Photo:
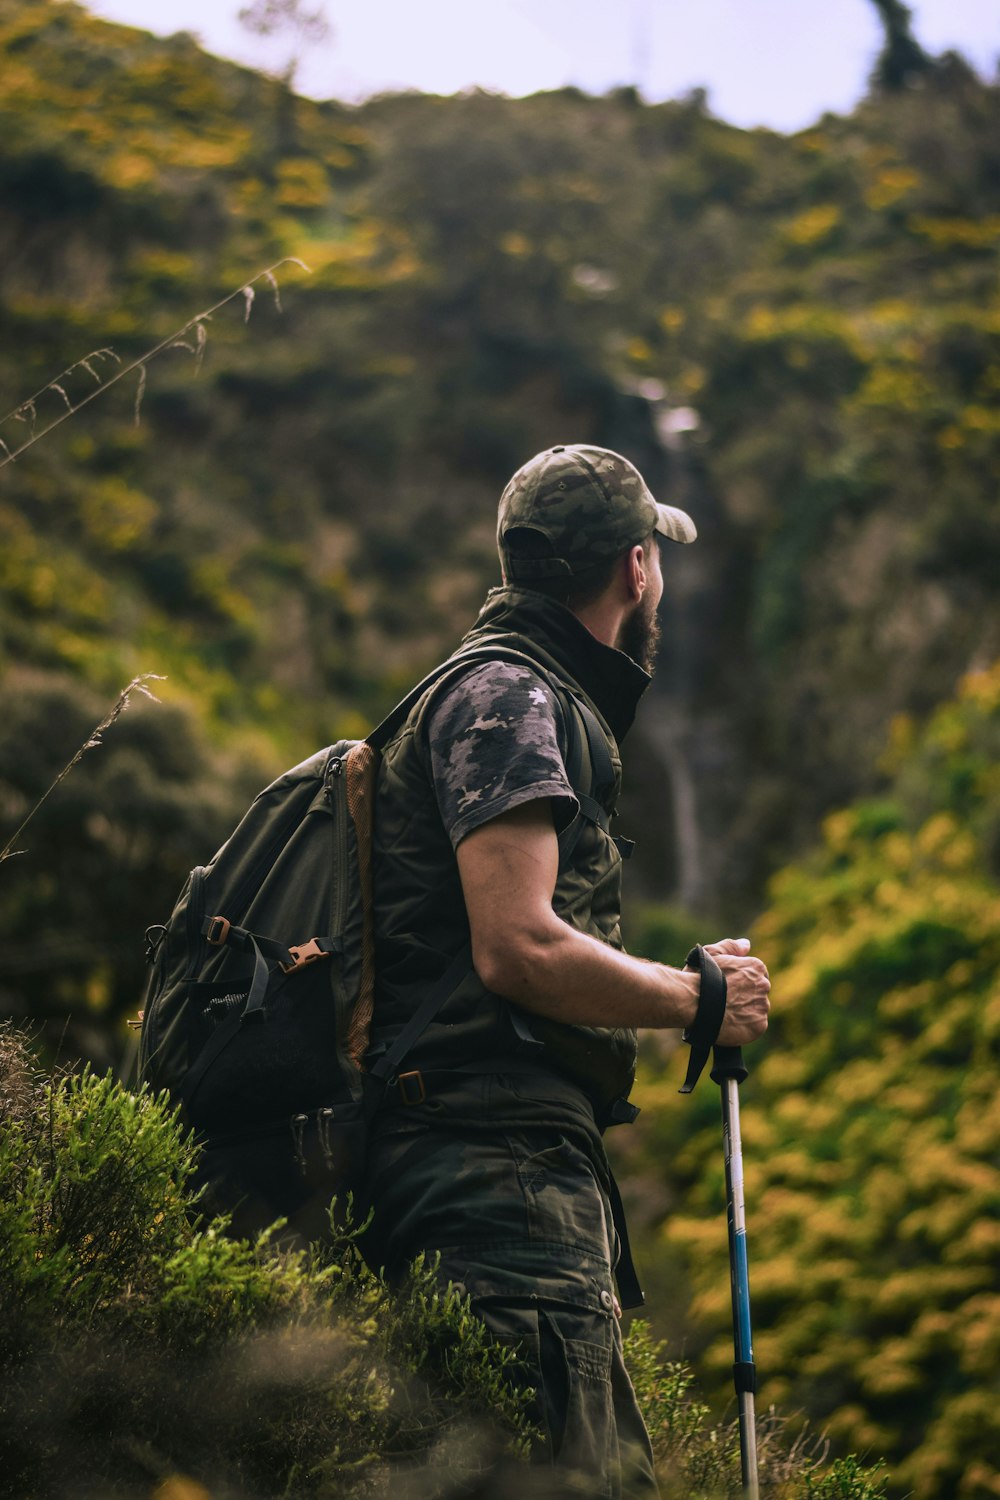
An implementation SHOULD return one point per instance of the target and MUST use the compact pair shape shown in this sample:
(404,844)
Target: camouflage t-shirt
(496,740)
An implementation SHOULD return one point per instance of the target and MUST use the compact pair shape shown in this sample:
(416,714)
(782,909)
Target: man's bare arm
(523,951)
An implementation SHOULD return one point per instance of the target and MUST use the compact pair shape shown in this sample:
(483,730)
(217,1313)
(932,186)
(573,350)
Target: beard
(639,636)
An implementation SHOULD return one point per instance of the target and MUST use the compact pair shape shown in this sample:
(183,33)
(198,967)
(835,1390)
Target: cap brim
(674,523)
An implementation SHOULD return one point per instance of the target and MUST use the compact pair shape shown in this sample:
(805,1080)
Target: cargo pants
(509,1194)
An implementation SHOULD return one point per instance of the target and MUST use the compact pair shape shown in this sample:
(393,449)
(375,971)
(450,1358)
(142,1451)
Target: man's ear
(636,573)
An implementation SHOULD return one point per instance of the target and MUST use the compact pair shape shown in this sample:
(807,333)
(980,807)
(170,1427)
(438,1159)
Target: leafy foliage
(104,853)
(798,338)
(172,1351)
(870,1120)
(696,1457)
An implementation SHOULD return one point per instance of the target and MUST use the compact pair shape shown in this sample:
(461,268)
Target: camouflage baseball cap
(590,504)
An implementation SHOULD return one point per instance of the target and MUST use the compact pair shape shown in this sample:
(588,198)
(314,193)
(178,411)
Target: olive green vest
(420,917)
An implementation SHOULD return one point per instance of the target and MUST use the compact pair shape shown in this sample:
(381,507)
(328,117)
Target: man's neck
(613,681)
(604,619)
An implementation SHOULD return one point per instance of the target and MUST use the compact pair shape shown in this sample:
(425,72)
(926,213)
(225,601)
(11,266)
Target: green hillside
(797,338)
(303,518)
(869,1123)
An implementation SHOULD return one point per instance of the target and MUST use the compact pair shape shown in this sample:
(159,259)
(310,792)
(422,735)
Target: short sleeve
(494,742)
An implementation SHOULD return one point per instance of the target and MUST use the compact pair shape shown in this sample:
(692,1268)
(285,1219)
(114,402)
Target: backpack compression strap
(222,933)
(219,932)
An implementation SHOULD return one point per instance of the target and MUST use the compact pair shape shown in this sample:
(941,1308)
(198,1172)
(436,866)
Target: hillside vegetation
(143,1350)
(798,339)
(296,529)
(870,1122)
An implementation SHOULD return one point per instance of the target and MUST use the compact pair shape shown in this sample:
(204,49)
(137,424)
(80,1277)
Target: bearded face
(639,636)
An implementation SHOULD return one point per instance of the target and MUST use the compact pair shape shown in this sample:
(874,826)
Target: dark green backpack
(257,981)
(258,1006)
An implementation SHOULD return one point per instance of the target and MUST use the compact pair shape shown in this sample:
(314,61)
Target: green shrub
(699,1459)
(140,1344)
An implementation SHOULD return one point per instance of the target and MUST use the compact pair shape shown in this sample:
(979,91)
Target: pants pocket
(576,1372)
(565,1355)
(562,1200)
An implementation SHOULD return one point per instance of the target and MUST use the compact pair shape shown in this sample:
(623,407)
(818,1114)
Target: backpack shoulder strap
(396,717)
(602,771)
(457,971)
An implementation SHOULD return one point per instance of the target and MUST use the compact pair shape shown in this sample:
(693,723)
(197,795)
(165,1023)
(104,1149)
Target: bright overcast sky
(764,62)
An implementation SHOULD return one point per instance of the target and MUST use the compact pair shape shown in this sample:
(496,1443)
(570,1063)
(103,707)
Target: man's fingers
(738,947)
(742,964)
(740,1033)
(747,987)
(747,1003)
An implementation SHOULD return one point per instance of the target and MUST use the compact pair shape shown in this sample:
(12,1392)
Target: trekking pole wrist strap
(707,1024)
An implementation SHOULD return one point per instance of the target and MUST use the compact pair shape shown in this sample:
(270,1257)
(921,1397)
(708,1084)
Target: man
(495,867)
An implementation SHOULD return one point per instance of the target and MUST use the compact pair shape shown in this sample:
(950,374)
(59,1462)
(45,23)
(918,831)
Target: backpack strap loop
(216,931)
(461,965)
(222,933)
(259,985)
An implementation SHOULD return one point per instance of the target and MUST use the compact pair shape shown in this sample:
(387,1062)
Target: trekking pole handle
(727,1062)
(704,1029)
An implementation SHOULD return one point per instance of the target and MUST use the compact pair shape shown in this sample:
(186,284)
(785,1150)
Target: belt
(417,1086)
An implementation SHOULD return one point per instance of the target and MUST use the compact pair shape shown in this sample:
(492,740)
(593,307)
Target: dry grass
(195,328)
(138,685)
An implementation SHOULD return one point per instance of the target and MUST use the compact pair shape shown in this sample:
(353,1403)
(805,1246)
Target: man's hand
(747,989)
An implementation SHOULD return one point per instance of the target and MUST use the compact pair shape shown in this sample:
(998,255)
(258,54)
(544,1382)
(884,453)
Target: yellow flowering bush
(870,1124)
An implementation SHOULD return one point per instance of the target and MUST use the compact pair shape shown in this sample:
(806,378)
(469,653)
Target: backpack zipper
(334,771)
(251,882)
(149,1036)
(195,914)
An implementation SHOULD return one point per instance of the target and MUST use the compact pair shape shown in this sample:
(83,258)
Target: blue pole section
(741,1298)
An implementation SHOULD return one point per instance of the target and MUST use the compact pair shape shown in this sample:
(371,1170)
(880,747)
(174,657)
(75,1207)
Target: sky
(780,63)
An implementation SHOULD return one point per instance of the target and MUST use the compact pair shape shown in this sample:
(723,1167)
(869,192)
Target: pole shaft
(739,1281)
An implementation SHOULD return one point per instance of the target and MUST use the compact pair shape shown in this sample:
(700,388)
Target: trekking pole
(729,1071)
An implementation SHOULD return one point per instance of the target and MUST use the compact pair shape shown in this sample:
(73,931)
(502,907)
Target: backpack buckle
(304,953)
(216,931)
(411,1087)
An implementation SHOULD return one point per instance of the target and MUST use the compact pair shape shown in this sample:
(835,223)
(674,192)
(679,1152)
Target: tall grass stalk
(93,740)
(27,410)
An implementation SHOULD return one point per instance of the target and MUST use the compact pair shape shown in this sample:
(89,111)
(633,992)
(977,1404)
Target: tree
(902,59)
(303,28)
(306,28)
